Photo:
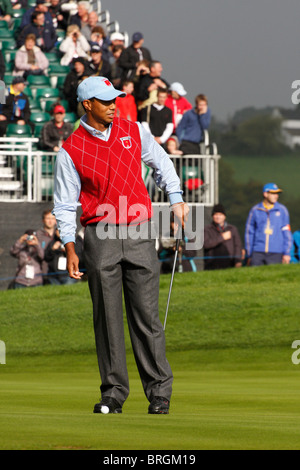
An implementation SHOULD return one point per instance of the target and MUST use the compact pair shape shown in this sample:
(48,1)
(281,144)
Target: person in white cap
(100,166)
(177,102)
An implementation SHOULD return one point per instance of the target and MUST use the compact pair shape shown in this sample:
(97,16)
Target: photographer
(74,45)
(30,255)
(55,255)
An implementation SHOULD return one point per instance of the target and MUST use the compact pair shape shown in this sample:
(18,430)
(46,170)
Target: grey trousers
(113,264)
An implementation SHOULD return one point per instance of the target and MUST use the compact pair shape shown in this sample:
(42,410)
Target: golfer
(100,166)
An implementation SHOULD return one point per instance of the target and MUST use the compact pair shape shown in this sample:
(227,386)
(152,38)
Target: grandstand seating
(13,130)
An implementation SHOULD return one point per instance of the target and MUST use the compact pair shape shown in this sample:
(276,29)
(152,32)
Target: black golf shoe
(159,406)
(108,405)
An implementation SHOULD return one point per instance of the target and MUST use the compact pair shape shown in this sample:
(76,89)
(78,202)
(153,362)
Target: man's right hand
(72,261)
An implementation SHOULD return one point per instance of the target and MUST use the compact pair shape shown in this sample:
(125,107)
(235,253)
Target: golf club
(171,283)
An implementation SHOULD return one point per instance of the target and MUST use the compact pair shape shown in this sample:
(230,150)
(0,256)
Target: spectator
(82,16)
(222,242)
(157,118)
(148,85)
(56,131)
(6,11)
(55,255)
(98,66)
(116,71)
(72,80)
(30,60)
(117,39)
(30,254)
(45,34)
(74,45)
(126,107)
(295,251)
(166,252)
(45,236)
(190,130)
(40,7)
(16,108)
(92,21)
(132,55)
(177,102)
(172,146)
(59,18)
(268,238)
(99,37)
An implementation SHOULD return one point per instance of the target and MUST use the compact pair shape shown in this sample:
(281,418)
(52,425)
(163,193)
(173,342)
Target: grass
(284,170)
(229,336)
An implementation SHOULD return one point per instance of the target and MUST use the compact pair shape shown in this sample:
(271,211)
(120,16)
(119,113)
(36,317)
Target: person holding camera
(74,45)
(30,255)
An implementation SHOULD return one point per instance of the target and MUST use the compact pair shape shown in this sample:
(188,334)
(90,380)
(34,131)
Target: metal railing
(27,174)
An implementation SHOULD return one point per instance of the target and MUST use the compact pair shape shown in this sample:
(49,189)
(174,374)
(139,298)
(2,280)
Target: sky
(239,53)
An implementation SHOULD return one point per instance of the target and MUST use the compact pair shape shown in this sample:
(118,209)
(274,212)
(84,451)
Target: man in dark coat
(132,55)
(222,243)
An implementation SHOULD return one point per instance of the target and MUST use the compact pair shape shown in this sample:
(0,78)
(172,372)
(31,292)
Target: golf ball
(104,409)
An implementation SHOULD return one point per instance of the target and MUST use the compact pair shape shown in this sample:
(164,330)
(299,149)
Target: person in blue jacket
(268,238)
(190,130)
(295,251)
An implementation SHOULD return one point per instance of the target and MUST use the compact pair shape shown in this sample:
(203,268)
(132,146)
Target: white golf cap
(176,86)
(117,36)
(97,87)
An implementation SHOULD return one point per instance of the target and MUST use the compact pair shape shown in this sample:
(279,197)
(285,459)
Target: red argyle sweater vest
(112,188)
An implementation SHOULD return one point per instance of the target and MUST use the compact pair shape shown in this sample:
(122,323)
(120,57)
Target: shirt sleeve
(67,187)
(165,176)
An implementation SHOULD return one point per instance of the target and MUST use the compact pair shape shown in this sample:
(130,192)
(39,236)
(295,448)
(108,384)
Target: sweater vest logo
(126,142)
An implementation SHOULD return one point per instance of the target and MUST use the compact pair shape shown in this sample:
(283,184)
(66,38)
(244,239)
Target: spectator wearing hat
(268,238)
(30,60)
(126,107)
(98,66)
(132,55)
(117,39)
(177,102)
(222,242)
(45,33)
(41,6)
(16,108)
(190,130)
(56,131)
(74,45)
(72,80)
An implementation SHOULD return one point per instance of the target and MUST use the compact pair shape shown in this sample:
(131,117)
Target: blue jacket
(189,127)
(295,251)
(268,231)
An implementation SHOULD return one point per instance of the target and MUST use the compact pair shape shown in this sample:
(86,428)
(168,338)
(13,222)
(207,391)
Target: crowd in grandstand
(48,34)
